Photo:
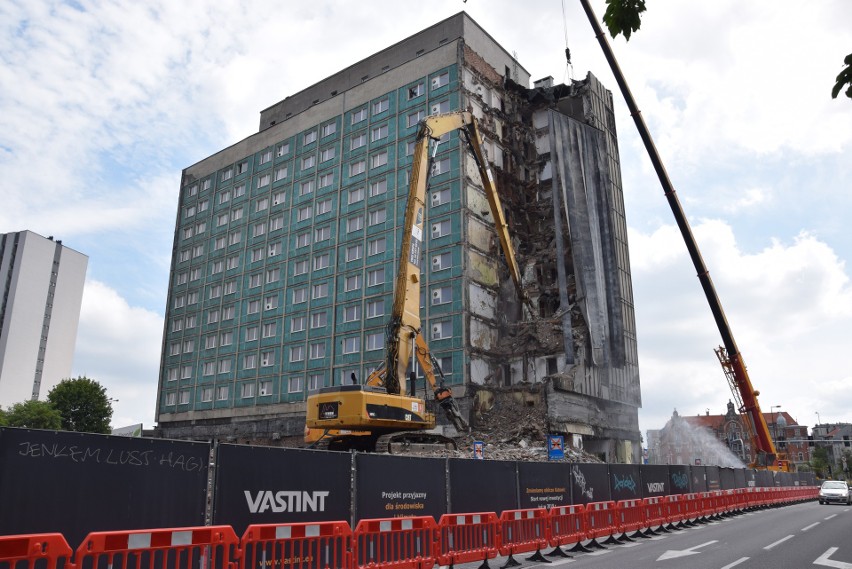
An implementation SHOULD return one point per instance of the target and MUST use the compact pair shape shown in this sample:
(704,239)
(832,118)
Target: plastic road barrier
(25,551)
(567,525)
(629,517)
(600,519)
(522,531)
(463,538)
(400,543)
(321,545)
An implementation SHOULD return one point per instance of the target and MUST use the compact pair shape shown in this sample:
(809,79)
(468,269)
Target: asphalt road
(792,537)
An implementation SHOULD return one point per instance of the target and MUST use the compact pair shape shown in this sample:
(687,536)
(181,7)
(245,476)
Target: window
(173,374)
(300,295)
(282,149)
(375,308)
(328,129)
(440,80)
(358,141)
(306,187)
(198,250)
(315,381)
(186,372)
(317,350)
(440,229)
(226,339)
(324,206)
(192,298)
(267,359)
(322,233)
(171,398)
(215,291)
(270,329)
(303,239)
(413,118)
(297,353)
(264,180)
(224,197)
(250,361)
(319,290)
(182,278)
(379,159)
(190,322)
(319,319)
(326,180)
(356,195)
(440,107)
(270,302)
(237,214)
(222,393)
(297,323)
(266,156)
(310,137)
(253,306)
(359,115)
(257,254)
(278,198)
(177,325)
(274,249)
(232,262)
(255,280)
(203,205)
(261,204)
(351,313)
(280,173)
(358,167)
(442,295)
(446,364)
(265,388)
(442,261)
(375,341)
(321,261)
(378,216)
(200,227)
(242,167)
(225,365)
(195,274)
(351,345)
(354,252)
(184,256)
(219,243)
(440,166)
(416,91)
(207,394)
(309,162)
(327,154)
(189,212)
(378,187)
(239,190)
(276,223)
(212,316)
(376,246)
(294,385)
(209,368)
(376,277)
(188,346)
(441,196)
(410,148)
(174,349)
(187,233)
(355,223)
(228,312)
(381,105)
(217,267)
(272,275)
(379,132)
(304,213)
(352,282)
(251,333)
(442,329)
(192,190)
(247,390)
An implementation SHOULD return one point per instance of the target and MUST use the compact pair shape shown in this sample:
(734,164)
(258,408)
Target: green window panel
(349,315)
(356,143)
(284,150)
(382,160)
(382,107)
(413,94)
(356,118)
(443,81)
(307,140)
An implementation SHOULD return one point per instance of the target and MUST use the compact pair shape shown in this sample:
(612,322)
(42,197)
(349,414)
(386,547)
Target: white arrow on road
(826,562)
(673,554)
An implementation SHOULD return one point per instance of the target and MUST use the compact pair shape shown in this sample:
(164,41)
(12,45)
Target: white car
(834,491)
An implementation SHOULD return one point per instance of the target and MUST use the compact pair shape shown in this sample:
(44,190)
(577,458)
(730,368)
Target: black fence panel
(264,485)
(624,482)
(764,478)
(680,479)
(482,485)
(544,484)
(399,486)
(727,478)
(712,478)
(590,483)
(76,483)
(655,480)
(697,478)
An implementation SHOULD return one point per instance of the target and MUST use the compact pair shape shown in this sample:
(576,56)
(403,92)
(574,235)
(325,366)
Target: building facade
(286,243)
(42,293)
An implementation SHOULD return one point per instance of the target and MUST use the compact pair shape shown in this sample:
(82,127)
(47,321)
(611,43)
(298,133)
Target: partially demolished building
(286,243)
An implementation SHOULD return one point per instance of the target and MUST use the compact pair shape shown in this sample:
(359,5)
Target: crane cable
(569,67)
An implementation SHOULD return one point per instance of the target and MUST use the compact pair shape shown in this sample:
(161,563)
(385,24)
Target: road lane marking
(831,516)
(673,554)
(826,562)
(735,563)
(780,541)
(813,525)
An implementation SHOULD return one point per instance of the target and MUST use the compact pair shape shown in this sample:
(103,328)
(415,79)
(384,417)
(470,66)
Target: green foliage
(83,405)
(819,462)
(3,421)
(844,78)
(623,16)
(33,415)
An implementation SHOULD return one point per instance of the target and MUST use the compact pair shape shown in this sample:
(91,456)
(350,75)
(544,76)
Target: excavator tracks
(413,443)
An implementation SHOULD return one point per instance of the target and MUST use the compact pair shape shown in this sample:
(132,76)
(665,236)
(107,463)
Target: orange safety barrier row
(394,543)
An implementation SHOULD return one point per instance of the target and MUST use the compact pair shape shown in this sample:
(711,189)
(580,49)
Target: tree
(83,405)
(625,17)
(3,420)
(819,461)
(33,415)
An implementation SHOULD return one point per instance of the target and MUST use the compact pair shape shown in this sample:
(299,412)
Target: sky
(105,102)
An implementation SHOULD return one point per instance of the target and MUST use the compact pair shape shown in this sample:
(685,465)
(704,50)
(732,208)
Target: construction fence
(75,483)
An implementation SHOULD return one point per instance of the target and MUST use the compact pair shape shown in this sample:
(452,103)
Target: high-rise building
(42,292)
(286,245)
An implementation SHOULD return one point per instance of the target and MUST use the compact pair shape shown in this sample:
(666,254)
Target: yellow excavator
(374,415)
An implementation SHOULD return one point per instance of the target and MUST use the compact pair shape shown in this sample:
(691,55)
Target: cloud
(119,346)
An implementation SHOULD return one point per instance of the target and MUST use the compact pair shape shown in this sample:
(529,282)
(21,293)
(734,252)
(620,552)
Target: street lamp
(819,422)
